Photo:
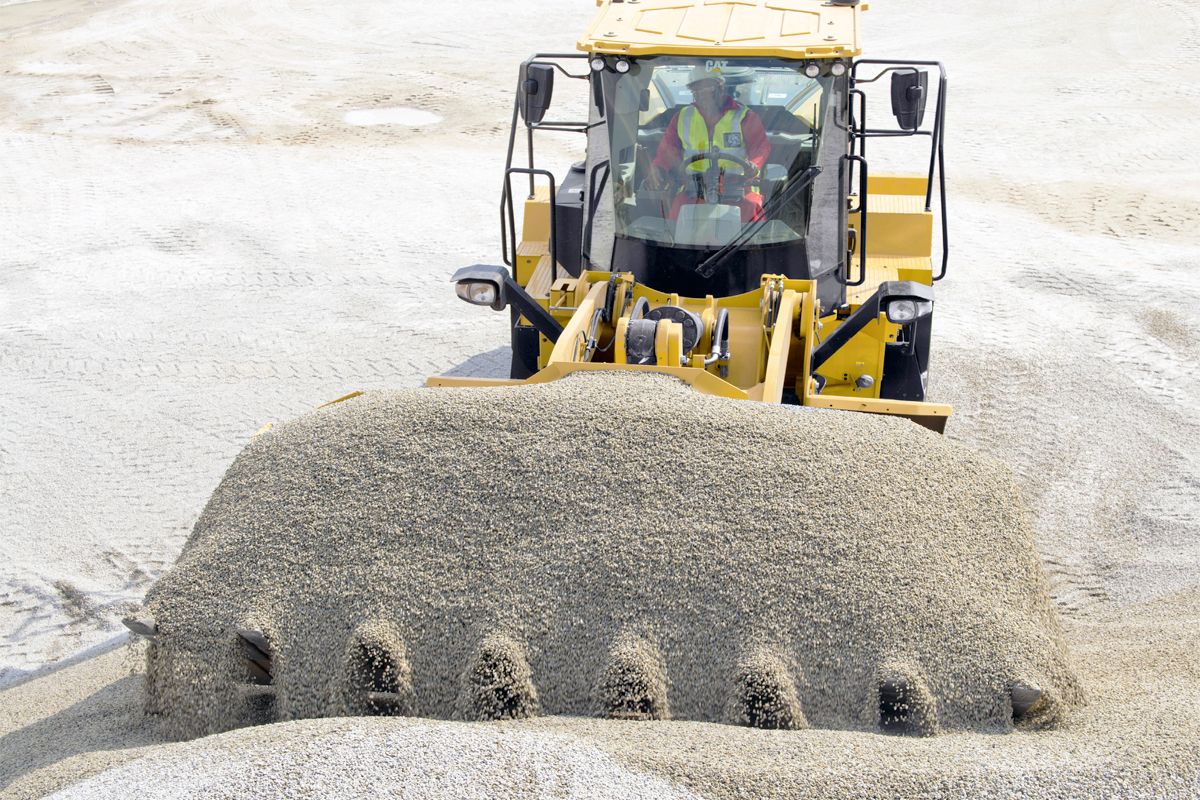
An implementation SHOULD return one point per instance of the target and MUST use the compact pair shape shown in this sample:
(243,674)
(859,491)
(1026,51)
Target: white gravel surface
(380,758)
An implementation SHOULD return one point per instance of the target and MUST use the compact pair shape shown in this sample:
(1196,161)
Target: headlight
(904,311)
(837,69)
(597,63)
(478,293)
(622,65)
(812,69)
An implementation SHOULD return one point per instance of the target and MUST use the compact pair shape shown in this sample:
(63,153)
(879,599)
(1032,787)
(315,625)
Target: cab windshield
(699,148)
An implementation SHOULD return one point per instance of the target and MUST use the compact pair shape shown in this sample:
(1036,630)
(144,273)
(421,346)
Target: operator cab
(701,196)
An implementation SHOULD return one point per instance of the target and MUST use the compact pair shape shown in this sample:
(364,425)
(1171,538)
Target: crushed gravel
(81,731)
(610,545)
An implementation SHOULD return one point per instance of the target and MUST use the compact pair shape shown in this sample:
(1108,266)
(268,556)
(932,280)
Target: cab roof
(775,28)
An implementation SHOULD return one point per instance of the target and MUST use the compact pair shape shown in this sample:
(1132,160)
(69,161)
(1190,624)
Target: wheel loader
(654,515)
(795,275)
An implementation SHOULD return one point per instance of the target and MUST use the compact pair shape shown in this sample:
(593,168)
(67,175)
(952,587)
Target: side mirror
(909,91)
(534,92)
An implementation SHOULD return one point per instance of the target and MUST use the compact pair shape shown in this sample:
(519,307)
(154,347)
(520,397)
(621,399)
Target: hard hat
(703,73)
(736,76)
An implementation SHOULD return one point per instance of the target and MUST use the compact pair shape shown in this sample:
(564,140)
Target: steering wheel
(731,182)
(749,168)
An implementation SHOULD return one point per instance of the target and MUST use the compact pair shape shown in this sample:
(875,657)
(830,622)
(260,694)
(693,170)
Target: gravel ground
(81,730)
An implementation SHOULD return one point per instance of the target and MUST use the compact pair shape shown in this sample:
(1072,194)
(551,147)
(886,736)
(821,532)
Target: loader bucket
(608,544)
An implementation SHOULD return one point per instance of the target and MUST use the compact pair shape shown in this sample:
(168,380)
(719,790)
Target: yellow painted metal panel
(920,273)
(931,415)
(896,203)
(528,256)
(889,268)
(668,343)
(903,234)
(660,20)
(574,335)
(862,355)
(896,229)
(751,24)
(536,222)
(458,382)
(799,23)
(705,23)
(774,379)
(539,281)
(704,28)
(807,329)
(898,184)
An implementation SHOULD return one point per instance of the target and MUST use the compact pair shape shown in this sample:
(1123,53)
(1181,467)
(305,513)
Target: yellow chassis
(772,332)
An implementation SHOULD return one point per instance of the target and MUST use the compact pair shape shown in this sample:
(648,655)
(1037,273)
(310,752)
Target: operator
(713,119)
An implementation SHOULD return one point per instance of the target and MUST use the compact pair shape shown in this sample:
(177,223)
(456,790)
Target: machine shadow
(492,364)
(109,719)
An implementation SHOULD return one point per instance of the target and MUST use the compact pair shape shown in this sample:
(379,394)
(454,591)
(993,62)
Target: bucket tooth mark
(905,706)
(378,675)
(256,652)
(500,682)
(764,694)
(635,683)
(257,685)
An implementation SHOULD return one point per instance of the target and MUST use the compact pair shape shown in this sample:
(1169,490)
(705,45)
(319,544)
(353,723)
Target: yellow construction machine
(619,545)
(724,227)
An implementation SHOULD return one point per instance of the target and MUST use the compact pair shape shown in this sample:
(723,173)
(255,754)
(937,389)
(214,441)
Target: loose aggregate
(611,545)
(80,731)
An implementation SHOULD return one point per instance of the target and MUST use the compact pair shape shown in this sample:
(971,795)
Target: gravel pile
(342,758)
(80,730)
(613,545)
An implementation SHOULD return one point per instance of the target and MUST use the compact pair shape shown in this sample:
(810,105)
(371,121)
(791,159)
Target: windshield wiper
(709,265)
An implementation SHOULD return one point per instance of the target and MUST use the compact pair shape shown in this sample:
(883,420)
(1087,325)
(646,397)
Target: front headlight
(478,293)
(904,311)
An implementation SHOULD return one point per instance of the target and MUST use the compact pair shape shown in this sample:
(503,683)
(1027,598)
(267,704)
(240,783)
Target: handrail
(594,191)
(506,211)
(937,134)
(863,178)
(506,201)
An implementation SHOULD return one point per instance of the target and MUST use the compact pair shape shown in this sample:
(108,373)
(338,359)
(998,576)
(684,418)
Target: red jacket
(670,149)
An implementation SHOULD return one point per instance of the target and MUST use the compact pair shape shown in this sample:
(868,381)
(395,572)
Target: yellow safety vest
(727,134)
